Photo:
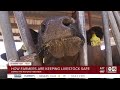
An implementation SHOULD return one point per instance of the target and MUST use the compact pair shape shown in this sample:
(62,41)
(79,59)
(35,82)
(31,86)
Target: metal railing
(81,26)
(108,17)
(8,36)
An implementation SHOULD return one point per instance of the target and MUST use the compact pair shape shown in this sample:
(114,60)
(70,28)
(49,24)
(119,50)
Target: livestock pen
(17,23)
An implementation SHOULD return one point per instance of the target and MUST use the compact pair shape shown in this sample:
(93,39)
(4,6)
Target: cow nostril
(66,22)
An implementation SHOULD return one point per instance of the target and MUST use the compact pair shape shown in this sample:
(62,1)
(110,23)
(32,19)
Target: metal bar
(24,31)
(108,51)
(8,36)
(81,26)
(117,16)
(115,30)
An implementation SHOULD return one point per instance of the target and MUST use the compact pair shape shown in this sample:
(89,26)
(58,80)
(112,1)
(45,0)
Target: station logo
(112,69)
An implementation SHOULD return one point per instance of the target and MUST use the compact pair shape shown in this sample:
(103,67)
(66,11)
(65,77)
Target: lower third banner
(63,71)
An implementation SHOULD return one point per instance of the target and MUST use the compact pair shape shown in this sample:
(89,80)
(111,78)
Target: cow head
(94,30)
(59,37)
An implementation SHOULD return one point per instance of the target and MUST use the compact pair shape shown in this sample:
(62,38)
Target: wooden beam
(44,14)
(35,27)
(89,19)
(14,34)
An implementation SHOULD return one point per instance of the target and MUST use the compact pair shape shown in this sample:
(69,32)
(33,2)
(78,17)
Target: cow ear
(3,56)
(33,32)
(34,35)
(88,36)
(98,31)
(94,30)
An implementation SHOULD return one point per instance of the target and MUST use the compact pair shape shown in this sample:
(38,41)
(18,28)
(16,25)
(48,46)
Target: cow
(96,56)
(63,31)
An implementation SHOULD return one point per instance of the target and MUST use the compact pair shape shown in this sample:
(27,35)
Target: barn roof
(34,19)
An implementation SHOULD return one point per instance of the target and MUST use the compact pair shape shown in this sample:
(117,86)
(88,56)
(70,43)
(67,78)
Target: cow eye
(43,27)
(66,22)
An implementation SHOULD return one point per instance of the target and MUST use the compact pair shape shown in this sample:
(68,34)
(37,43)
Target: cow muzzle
(59,39)
(63,47)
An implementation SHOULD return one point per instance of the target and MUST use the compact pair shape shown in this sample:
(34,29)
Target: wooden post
(115,30)
(81,26)
(89,19)
(24,32)
(108,51)
(9,43)
(117,16)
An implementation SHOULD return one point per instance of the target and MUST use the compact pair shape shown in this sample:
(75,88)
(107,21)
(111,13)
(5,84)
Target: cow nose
(57,28)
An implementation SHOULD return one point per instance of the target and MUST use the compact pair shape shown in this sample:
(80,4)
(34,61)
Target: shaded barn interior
(34,19)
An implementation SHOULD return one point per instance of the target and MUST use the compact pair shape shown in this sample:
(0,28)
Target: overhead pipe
(8,40)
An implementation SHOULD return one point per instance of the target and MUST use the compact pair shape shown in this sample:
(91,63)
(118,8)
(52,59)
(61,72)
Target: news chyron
(42,72)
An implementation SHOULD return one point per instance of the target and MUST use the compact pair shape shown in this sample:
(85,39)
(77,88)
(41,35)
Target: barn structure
(34,19)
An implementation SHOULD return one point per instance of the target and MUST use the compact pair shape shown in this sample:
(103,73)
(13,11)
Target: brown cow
(96,56)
